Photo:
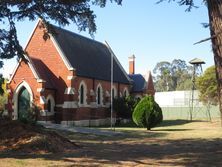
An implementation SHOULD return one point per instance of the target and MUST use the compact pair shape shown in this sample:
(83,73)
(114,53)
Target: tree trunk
(215,21)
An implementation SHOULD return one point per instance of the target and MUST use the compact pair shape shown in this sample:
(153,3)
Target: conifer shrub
(147,113)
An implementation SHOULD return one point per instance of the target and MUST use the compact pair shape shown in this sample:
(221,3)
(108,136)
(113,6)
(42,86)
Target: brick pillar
(70,98)
(41,104)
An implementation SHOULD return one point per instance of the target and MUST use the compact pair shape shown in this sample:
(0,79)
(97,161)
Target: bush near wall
(124,106)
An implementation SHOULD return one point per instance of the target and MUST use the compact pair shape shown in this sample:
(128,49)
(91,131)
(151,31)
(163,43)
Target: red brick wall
(24,73)
(41,50)
(49,64)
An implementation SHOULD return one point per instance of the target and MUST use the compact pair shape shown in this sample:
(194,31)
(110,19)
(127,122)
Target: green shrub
(29,117)
(124,106)
(147,113)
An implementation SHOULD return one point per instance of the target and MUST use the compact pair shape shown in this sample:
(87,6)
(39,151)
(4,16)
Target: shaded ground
(175,143)
(17,137)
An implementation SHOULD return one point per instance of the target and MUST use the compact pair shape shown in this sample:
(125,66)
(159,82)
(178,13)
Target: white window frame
(82,83)
(15,97)
(115,91)
(125,90)
(101,94)
(51,98)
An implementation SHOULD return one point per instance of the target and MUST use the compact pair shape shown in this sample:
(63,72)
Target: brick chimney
(132,64)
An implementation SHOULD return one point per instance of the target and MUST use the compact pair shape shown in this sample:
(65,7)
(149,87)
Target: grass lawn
(173,143)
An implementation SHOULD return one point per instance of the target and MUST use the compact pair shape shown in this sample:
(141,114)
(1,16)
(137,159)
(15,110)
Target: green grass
(172,143)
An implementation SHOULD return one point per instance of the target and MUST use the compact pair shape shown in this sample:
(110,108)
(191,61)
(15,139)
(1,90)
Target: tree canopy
(172,76)
(207,86)
(63,12)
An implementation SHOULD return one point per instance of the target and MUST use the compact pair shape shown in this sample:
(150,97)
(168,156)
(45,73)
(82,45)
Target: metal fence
(203,112)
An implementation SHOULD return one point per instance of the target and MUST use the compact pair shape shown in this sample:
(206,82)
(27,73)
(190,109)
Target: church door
(23,103)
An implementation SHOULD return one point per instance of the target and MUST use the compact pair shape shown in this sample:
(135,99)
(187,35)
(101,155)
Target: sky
(152,32)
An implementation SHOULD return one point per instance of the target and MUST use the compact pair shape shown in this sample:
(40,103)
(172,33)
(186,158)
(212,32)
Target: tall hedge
(147,113)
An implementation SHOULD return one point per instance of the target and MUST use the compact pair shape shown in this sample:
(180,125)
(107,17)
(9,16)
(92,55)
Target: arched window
(99,98)
(114,92)
(49,105)
(125,92)
(82,93)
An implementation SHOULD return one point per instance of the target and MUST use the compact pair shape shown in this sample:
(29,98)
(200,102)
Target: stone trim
(15,98)
(70,104)
(71,77)
(42,100)
(96,122)
(46,113)
(69,91)
(40,90)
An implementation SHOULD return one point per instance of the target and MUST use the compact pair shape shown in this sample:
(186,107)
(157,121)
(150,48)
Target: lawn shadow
(176,122)
(170,129)
(184,152)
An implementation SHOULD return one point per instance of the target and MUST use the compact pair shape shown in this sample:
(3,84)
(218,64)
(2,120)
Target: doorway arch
(23,99)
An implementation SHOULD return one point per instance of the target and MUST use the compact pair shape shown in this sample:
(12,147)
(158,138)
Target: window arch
(99,95)
(50,104)
(49,107)
(125,92)
(22,85)
(114,92)
(82,93)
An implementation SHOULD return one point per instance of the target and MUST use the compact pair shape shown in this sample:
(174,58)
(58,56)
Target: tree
(163,78)
(207,86)
(173,76)
(62,12)
(215,25)
(147,113)
(3,96)
(124,106)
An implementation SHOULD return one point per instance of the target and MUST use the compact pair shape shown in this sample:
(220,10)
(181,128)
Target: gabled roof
(31,66)
(139,82)
(143,83)
(90,58)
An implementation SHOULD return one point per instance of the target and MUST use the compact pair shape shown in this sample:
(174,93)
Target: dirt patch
(18,137)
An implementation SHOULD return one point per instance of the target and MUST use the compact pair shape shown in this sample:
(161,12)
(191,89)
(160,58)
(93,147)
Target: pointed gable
(150,90)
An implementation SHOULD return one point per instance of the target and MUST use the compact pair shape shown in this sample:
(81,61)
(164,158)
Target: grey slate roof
(138,82)
(90,58)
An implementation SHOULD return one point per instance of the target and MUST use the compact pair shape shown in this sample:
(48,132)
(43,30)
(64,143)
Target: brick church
(66,78)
